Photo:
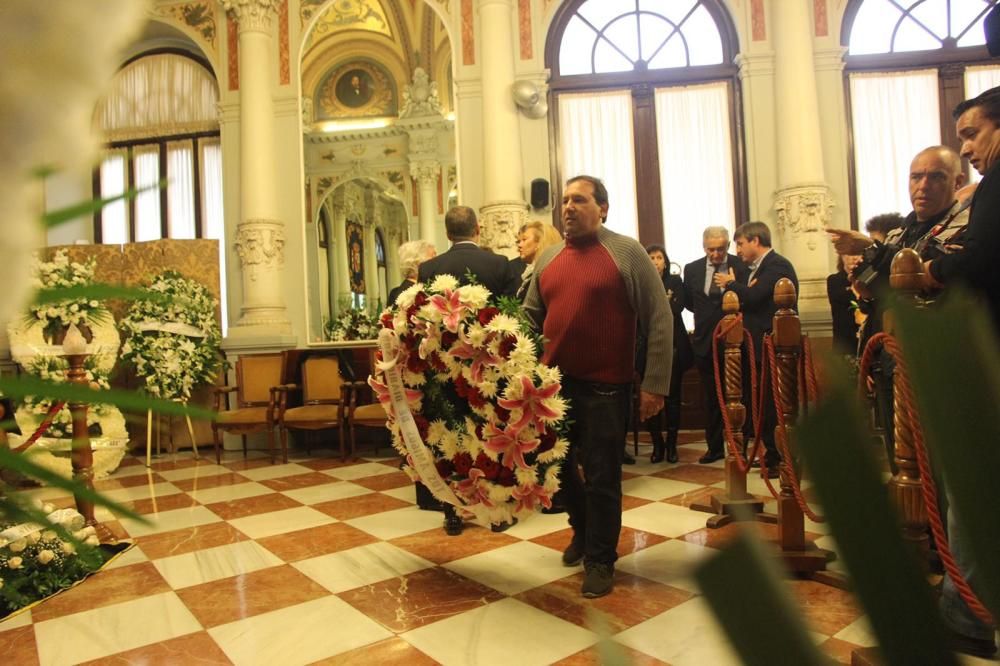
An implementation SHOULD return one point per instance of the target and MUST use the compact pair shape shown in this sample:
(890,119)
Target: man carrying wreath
(591,295)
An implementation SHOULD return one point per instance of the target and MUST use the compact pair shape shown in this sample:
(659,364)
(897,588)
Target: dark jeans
(883,372)
(591,476)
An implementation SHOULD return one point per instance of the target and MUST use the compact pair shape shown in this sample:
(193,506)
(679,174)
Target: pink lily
(528,497)
(509,443)
(481,359)
(382,393)
(531,404)
(451,307)
(474,491)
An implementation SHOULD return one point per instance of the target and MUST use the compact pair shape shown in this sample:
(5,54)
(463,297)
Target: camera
(867,271)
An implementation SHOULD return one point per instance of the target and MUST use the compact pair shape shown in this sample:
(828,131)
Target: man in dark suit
(465,257)
(704,299)
(756,292)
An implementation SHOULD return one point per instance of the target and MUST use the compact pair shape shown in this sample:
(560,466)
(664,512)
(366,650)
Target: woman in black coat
(683,357)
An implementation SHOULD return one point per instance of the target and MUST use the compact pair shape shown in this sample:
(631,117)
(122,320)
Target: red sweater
(590,326)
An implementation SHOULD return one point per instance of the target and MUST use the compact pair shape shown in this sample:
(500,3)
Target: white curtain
(595,138)
(180,190)
(114,216)
(157,95)
(147,203)
(889,129)
(211,213)
(696,165)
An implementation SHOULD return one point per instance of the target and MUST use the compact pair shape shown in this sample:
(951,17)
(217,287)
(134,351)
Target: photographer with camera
(933,228)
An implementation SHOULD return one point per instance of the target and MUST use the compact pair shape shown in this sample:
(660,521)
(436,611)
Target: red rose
(475,398)
(486,314)
(490,468)
(507,345)
(423,425)
(462,387)
(437,363)
(503,415)
(448,339)
(387,320)
(548,440)
(463,463)
(420,299)
(506,477)
(415,364)
(444,467)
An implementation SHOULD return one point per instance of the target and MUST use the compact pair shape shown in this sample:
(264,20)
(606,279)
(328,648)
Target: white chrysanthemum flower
(488,388)
(503,324)
(525,477)
(500,494)
(476,335)
(413,378)
(406,298)
(450,444)
(474,295)
(555,453)
(444,282)
(551,483)
(548,375)
(436,431)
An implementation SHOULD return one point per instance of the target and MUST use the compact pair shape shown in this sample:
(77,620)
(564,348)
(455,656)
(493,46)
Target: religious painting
(356,89)
(356,257)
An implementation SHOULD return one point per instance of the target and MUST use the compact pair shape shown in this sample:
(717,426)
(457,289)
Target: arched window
(646,97)
(908,65)
(159,121)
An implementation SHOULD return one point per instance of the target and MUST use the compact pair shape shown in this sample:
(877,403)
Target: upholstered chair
(257,379)
(324,395)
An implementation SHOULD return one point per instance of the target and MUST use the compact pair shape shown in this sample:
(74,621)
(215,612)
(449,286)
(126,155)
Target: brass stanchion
(82,456)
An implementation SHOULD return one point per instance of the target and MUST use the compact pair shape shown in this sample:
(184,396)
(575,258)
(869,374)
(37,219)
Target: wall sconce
(529,100)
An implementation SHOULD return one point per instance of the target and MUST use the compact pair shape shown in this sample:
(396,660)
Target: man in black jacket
(704,299)
(466,257)
(756,292)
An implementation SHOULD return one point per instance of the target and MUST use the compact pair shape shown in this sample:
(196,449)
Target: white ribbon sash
(67,518)
(172,327)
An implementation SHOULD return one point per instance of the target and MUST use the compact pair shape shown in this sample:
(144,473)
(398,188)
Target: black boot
(672,445)
(452,523)
(658,446)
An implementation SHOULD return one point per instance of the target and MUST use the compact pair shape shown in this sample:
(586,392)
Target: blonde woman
(532,238)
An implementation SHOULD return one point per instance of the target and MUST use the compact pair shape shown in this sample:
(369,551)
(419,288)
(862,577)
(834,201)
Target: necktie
(714,289)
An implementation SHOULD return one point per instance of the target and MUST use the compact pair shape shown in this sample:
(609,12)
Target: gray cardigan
(645,294)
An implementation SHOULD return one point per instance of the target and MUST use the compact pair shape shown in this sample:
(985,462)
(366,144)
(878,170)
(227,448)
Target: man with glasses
(704,298)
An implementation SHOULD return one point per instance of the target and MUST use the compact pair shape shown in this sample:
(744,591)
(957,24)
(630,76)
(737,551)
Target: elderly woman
(532,238)
(411,255)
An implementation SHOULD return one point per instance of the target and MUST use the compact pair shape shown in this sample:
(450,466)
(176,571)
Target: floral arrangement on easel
(490,413)
(35,343)
(173,338)
(56,318)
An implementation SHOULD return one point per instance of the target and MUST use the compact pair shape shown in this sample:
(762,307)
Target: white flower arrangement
(57,317)
(352,324)
(36,563)
(173,340)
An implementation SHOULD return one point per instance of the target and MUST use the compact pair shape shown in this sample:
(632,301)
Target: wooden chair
(324,398)
(370,416)
(257,379)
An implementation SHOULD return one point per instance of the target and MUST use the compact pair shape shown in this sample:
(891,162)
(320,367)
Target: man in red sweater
(591,295)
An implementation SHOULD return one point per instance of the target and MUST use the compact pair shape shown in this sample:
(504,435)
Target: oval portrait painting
(354,88)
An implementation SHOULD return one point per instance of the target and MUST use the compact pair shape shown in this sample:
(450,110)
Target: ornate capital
(426,172)
(499,222)
(804,209)
(260,244)
(252,15)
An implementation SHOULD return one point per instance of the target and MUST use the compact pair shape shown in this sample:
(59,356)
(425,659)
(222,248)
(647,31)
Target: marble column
(343,297)
(426,173)
(503,189)
(803,202)
(260,235)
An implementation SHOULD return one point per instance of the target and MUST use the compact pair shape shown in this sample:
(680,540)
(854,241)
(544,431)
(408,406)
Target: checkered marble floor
(319,561)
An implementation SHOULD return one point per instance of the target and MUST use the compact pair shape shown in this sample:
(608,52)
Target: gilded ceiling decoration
(345,15)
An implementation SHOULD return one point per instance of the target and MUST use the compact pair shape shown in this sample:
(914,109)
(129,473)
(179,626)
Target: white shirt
(756,264)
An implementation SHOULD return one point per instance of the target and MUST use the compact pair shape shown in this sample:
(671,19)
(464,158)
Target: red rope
(927,486)
(50,416)
(721,330)
(781,435)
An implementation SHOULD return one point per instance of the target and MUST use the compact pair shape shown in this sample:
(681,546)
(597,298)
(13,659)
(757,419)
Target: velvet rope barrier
(46,423)
(928,487)
(721,330)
